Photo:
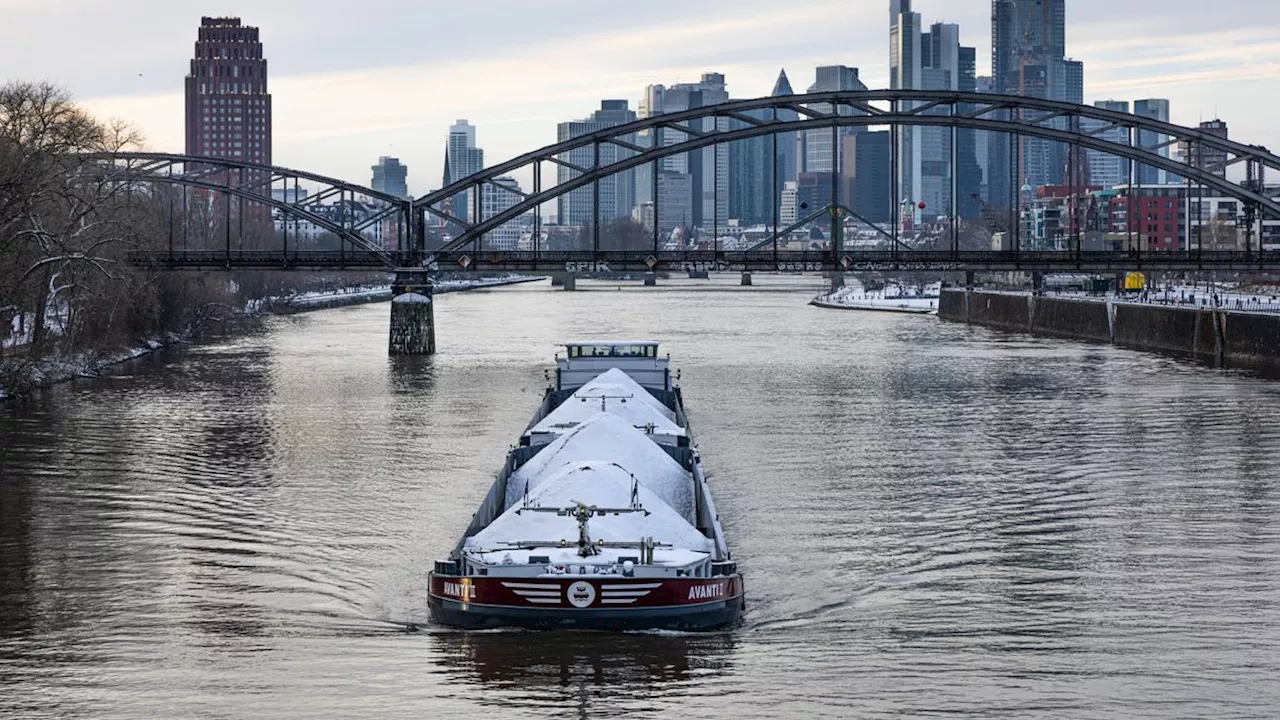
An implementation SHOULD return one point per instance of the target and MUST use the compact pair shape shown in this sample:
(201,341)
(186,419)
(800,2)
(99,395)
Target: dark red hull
(590,601)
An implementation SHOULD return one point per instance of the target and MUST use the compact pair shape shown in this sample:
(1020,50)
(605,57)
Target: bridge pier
(837,280)
(413,320)
(1037,283)
(571,281)
(746,279)
(557,279)
(651,279)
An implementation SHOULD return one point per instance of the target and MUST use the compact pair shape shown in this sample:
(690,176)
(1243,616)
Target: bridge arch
(1026,117)
(255,183)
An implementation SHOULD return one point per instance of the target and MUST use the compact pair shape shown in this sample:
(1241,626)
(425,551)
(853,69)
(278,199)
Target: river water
(932,519)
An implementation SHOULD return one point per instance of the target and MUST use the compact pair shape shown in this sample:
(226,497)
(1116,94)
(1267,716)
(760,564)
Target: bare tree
(60,214)
(68,221)
(625,234)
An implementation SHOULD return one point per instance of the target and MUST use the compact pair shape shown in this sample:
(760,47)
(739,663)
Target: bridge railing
(761,260)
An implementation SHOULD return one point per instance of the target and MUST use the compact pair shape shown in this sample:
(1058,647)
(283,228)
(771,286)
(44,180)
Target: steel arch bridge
(274,188)
(679,133)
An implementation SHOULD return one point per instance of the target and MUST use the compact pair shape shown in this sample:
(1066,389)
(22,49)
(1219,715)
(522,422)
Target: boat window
(634,351)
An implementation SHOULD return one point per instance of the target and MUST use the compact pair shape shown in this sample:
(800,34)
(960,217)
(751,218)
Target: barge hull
(597,603)
(710,616)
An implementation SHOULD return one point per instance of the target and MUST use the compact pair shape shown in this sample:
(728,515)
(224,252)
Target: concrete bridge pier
(571,281)
(837,280)
(557,279)
(413,320)
(650,279)
(746,279)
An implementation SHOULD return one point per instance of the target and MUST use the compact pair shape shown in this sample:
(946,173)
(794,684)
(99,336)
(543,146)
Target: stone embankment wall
(1218,337)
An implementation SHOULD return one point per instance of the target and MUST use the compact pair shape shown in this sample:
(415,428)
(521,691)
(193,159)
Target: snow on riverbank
(25,373)
(54,370)
(1264,302)
(371,294)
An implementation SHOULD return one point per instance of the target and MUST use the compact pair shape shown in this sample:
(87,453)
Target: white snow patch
(612,392)
(595,483)
(615,381)
(607,438)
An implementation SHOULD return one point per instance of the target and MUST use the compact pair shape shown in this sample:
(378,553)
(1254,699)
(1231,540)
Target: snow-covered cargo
(608,486)
(603,437)
(615,394)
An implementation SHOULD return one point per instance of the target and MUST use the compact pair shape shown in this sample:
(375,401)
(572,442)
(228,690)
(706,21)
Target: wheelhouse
(586,359)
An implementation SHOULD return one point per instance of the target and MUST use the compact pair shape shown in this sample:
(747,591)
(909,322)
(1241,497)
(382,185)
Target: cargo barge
(601,517)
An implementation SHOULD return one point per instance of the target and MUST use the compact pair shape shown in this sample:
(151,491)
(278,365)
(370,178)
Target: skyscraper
(982,145)
(905,73)
(751,177)
(904,46)
(390,177)
(939,58)
(617,191)
(1153,109)
(970,171)
(820,150)
(496,197)
(708,168)
(928,165)
(757,176)
(1106,169)
(868,178)
(228,108)
(788,164)
(462,158)
(1028,58)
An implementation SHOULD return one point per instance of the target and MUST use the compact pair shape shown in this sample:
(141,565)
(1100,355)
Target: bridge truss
(379,236)
(652,140)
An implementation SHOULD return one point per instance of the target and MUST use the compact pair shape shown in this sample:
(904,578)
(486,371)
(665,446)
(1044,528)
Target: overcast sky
(353,81)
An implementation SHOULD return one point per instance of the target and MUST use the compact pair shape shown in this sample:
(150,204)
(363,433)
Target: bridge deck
(760,261)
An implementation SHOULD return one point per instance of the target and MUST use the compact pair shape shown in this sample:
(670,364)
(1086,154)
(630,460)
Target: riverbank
(380,293)
(52,371)
(26,375)
(1219,336)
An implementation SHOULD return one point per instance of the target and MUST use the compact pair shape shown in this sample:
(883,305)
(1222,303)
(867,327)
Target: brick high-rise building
(228,106)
